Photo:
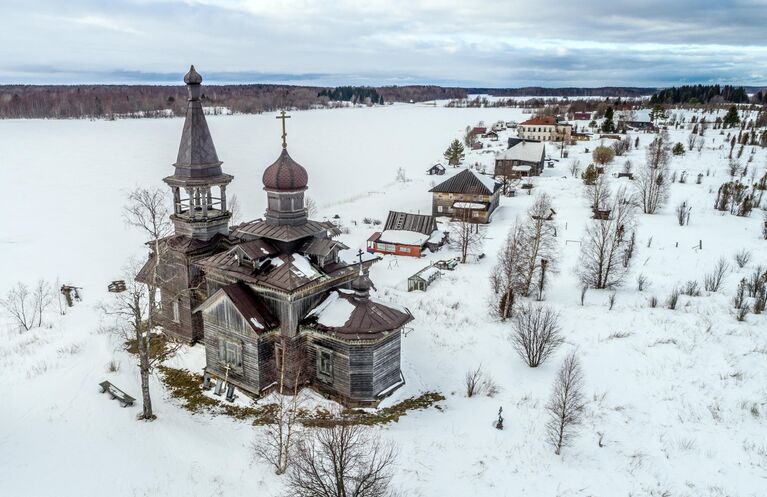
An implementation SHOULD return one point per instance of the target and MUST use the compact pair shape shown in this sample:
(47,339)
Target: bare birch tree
(536,333)
(147,210)
(607,246)
(653,181)
(598,192)
(275,445)
(566,404)
(131,308)
(505,278)
(26,308)
(539,244)
(344,460)
(466,237)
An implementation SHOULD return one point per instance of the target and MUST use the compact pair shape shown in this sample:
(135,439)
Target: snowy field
(679,396)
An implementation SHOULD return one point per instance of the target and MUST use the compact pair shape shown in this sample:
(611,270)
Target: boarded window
(230,353)
(176,311)
(325,363)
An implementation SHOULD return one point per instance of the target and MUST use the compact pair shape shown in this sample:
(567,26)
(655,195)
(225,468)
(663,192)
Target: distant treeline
(355,94)
(536,91)
(108,101)
(701,94)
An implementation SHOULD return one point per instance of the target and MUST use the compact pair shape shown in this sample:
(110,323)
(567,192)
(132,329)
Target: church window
(176,312)
(325,363)
(230,353)
(439,208)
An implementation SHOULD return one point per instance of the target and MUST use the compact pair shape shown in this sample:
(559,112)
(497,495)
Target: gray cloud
(478,43)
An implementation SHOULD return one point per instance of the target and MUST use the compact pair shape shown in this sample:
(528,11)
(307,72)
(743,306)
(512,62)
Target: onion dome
(361,286)
(285,175)
(192,77)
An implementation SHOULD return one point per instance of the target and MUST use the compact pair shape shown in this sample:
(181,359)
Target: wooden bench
(125,399)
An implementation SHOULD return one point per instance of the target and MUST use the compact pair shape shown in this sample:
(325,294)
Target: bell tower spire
(197,212)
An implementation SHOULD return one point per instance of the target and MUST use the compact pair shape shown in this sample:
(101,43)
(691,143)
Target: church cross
(284,116)
(359,254)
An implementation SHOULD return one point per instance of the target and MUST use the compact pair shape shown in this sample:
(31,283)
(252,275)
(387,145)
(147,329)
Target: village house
(544,128)
(466,196)
(437,169)
(523,158)
(272,299)
(582,116)
(407,234)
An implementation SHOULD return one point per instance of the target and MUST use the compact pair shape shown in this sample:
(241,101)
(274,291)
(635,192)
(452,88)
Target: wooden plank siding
(442,205)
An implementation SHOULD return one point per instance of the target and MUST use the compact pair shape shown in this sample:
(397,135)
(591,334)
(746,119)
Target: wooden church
(273,300)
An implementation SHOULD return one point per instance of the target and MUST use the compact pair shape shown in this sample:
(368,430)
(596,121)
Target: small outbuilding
(407,234)
(437,169)
(423,278)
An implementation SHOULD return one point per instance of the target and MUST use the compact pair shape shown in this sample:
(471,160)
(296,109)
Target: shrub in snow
(536,333)
(742,257)
(673,299)
(26,307)
(713,280)
(642,282)
(473,381)
(603,155)
(739,300)
(342,460)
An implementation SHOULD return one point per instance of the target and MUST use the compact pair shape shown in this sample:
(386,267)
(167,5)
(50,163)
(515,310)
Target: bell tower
(198,183)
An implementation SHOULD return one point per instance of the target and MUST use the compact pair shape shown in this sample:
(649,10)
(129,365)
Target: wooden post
(176,200)
(204,196)
(223,197)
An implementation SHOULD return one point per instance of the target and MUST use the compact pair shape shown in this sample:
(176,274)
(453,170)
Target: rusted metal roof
(247,303)
(321,246)
(420,223)
(467,182)
(284,233)
(257,249)
(369,319)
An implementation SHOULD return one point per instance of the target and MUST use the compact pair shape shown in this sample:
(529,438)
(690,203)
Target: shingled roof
(419,223)
(467,181)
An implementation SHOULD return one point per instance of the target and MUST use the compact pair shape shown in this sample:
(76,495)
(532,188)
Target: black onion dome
(285,175)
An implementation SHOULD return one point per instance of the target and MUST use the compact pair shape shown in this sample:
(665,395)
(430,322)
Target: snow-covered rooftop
(525,151)
(403,237)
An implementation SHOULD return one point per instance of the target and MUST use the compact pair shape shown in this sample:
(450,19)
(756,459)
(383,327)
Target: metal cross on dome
(284,116)
(359,254)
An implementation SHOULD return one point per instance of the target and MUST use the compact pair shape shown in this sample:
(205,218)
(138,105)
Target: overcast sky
(450,42)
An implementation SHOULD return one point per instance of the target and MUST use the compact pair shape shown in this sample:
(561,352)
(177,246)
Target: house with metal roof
(468,196)
(407,234)
(523,158)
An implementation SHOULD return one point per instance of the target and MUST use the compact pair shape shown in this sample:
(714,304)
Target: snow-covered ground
(679,396)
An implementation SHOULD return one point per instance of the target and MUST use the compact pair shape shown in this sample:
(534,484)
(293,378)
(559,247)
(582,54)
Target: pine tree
(608,126)
(454,153)
(678,149)
(731,118)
